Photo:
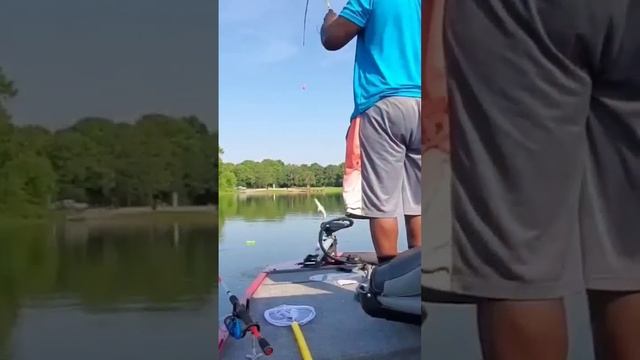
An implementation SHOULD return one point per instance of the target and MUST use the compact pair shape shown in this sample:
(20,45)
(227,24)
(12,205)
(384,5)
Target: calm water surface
(134,290)
(260,230)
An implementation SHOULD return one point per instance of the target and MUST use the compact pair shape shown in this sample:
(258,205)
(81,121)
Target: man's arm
(337,31)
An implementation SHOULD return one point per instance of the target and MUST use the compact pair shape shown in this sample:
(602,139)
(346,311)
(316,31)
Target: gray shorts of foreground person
(545,181)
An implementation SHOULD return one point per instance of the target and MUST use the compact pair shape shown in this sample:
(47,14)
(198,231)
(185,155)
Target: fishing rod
(239,315)
(304,26)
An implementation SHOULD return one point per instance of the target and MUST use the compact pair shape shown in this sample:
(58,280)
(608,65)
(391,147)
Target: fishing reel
(234,327)
(234,324)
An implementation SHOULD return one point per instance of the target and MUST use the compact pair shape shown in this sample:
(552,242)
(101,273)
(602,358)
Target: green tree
(27,179)
(318,174)
(227,177)
(7,92)
(245,173)
(26,185)
(83,172)
(30,139)
(102,162)
(269,172)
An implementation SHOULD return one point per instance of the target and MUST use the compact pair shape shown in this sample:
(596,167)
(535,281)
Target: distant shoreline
(118,213)
(292,190)
(189,214)
(138,213)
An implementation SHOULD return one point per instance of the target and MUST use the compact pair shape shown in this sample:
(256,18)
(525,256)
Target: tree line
(101,162)
(275,173)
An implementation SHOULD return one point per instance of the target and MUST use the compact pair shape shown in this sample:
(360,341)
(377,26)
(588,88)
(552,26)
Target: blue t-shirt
(388,51)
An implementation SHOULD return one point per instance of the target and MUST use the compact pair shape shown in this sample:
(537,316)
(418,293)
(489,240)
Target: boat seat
(403,264)
(393,292)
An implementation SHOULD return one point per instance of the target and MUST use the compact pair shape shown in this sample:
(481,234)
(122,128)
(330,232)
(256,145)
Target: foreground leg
(523,330)
(616,324)
(384,232)
(609,215)
(414,230)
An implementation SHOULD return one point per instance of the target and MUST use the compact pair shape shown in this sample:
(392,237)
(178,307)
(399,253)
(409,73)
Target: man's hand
(330,16)
(337,31)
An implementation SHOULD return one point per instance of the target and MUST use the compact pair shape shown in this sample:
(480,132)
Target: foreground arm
(337,31)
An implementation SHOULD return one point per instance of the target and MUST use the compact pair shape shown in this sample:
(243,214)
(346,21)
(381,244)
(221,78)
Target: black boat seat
(393,291)
(402,264)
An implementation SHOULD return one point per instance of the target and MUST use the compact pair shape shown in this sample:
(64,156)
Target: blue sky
(264,110)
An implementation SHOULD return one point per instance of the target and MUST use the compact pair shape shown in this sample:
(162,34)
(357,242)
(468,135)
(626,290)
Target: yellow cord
(302,344)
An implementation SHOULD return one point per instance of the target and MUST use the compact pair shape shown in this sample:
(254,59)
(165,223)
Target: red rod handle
(267,349)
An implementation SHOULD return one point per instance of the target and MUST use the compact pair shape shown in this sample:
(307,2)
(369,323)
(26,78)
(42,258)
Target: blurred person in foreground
(544,104)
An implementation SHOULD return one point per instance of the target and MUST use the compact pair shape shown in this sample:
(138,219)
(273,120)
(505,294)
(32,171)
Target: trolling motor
(390,291)
(240,323)
(327,248)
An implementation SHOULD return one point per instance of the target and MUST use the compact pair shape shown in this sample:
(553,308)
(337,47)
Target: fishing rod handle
(267,349)
(234,300)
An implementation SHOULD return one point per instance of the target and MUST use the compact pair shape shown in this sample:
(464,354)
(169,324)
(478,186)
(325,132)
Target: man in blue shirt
(383,159)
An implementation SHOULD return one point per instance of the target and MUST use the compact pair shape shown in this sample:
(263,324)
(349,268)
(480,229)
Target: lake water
(132,290)
(256,231)
(261,230)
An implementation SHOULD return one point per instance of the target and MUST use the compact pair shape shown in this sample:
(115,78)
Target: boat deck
(340,330)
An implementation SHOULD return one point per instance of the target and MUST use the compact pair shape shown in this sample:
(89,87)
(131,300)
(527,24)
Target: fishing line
(224,286)
(304,25)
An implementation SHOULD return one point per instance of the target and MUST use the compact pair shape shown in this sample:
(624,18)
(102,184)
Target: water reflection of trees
(273,207)
(24,266)
(105,267)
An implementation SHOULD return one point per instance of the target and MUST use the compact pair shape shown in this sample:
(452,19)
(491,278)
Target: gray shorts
(544,98)
(383,160)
